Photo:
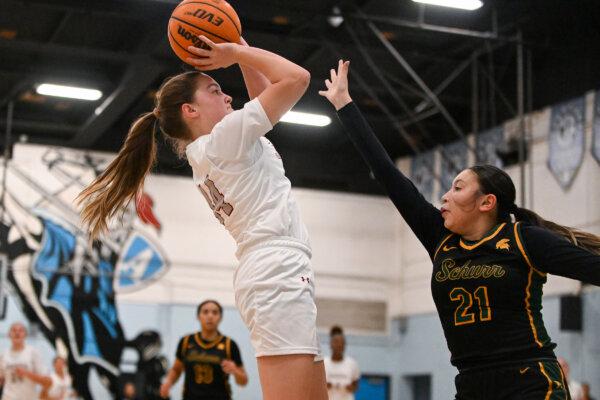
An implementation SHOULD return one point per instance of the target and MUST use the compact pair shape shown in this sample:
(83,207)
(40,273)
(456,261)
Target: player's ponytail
(124,177)
(493,180)
(585,240)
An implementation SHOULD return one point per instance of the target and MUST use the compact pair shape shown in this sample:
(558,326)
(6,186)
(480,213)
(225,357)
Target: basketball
(215,19)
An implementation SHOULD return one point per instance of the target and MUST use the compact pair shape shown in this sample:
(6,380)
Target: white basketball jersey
(16,388)
(340,374)
(241,175)
(61,386)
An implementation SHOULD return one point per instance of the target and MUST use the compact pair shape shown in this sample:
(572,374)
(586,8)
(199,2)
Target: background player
(341,370)
(488,272)
(243,180)
(207,358)
(21,367)
(60,386)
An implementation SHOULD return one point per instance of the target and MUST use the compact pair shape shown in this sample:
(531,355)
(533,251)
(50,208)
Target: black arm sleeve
(423,218)
(554,254)
(235,354)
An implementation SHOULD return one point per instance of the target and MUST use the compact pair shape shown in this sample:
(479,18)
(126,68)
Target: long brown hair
(493,180)
(124,178)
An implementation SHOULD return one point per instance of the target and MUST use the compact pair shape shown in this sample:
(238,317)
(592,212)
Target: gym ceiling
(120,47)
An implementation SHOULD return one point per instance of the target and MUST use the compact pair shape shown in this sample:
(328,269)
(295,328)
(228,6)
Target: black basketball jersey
(204,377)
(489,298)
(488,293)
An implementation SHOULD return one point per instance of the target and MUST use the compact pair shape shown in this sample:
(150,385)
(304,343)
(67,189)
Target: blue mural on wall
(69,286)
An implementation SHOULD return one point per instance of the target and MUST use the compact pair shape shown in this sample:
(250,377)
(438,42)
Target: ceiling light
(70,92)
(302,118)
(281,20)
(336,18)
(462,4)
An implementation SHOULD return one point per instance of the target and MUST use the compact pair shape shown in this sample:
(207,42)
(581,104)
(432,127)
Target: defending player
(207,358)
(488,272)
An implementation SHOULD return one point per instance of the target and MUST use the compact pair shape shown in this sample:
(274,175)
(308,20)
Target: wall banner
(454,159)
(566,140)
(422,173)
(487,143)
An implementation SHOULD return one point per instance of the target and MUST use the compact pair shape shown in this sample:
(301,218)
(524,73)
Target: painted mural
(69,286)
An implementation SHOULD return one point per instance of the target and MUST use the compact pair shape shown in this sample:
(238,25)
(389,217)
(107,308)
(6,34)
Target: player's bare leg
(290,377)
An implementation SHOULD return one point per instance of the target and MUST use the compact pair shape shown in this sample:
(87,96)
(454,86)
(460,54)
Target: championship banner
(454,159)
(566,140)
(421,173)
(487,143)
(596,128)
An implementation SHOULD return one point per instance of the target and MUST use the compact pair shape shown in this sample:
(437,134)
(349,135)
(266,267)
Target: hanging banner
(421,173)
(454,160)
(566,140)
(596,128)
(487,143)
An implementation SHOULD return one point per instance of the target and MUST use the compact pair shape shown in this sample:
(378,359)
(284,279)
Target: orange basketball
(215,19)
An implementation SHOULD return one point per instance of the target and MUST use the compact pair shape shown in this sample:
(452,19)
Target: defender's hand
(337,86)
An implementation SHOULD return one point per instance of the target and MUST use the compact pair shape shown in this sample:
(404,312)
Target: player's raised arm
(287,81)
(255,81)
(423,218)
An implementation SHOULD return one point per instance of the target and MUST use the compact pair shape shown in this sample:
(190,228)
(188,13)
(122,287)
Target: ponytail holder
(156,113)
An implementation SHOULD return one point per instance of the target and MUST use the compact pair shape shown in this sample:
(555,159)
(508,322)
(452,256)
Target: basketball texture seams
(215,19)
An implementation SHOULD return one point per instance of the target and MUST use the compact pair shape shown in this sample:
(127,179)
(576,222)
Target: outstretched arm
(423,218)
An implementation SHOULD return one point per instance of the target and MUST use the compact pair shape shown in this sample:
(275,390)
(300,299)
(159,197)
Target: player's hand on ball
(213,56)
(337,86)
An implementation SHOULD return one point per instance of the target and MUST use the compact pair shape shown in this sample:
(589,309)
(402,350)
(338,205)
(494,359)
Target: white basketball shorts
(274,293)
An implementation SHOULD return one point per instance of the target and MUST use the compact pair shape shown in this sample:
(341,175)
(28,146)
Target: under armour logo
(307,280)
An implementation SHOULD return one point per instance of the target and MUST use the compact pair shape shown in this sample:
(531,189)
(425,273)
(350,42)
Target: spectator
(130,392)
(21,367)
(341,372)
(59,387)
(586,391)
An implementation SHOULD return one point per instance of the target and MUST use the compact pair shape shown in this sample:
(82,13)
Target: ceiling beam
(141,73)
(61,50)
(60,131)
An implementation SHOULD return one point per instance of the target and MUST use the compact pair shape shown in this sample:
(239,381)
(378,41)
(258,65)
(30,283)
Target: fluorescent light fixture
(462,4)
(295,117)
(70,92)
(336,18)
